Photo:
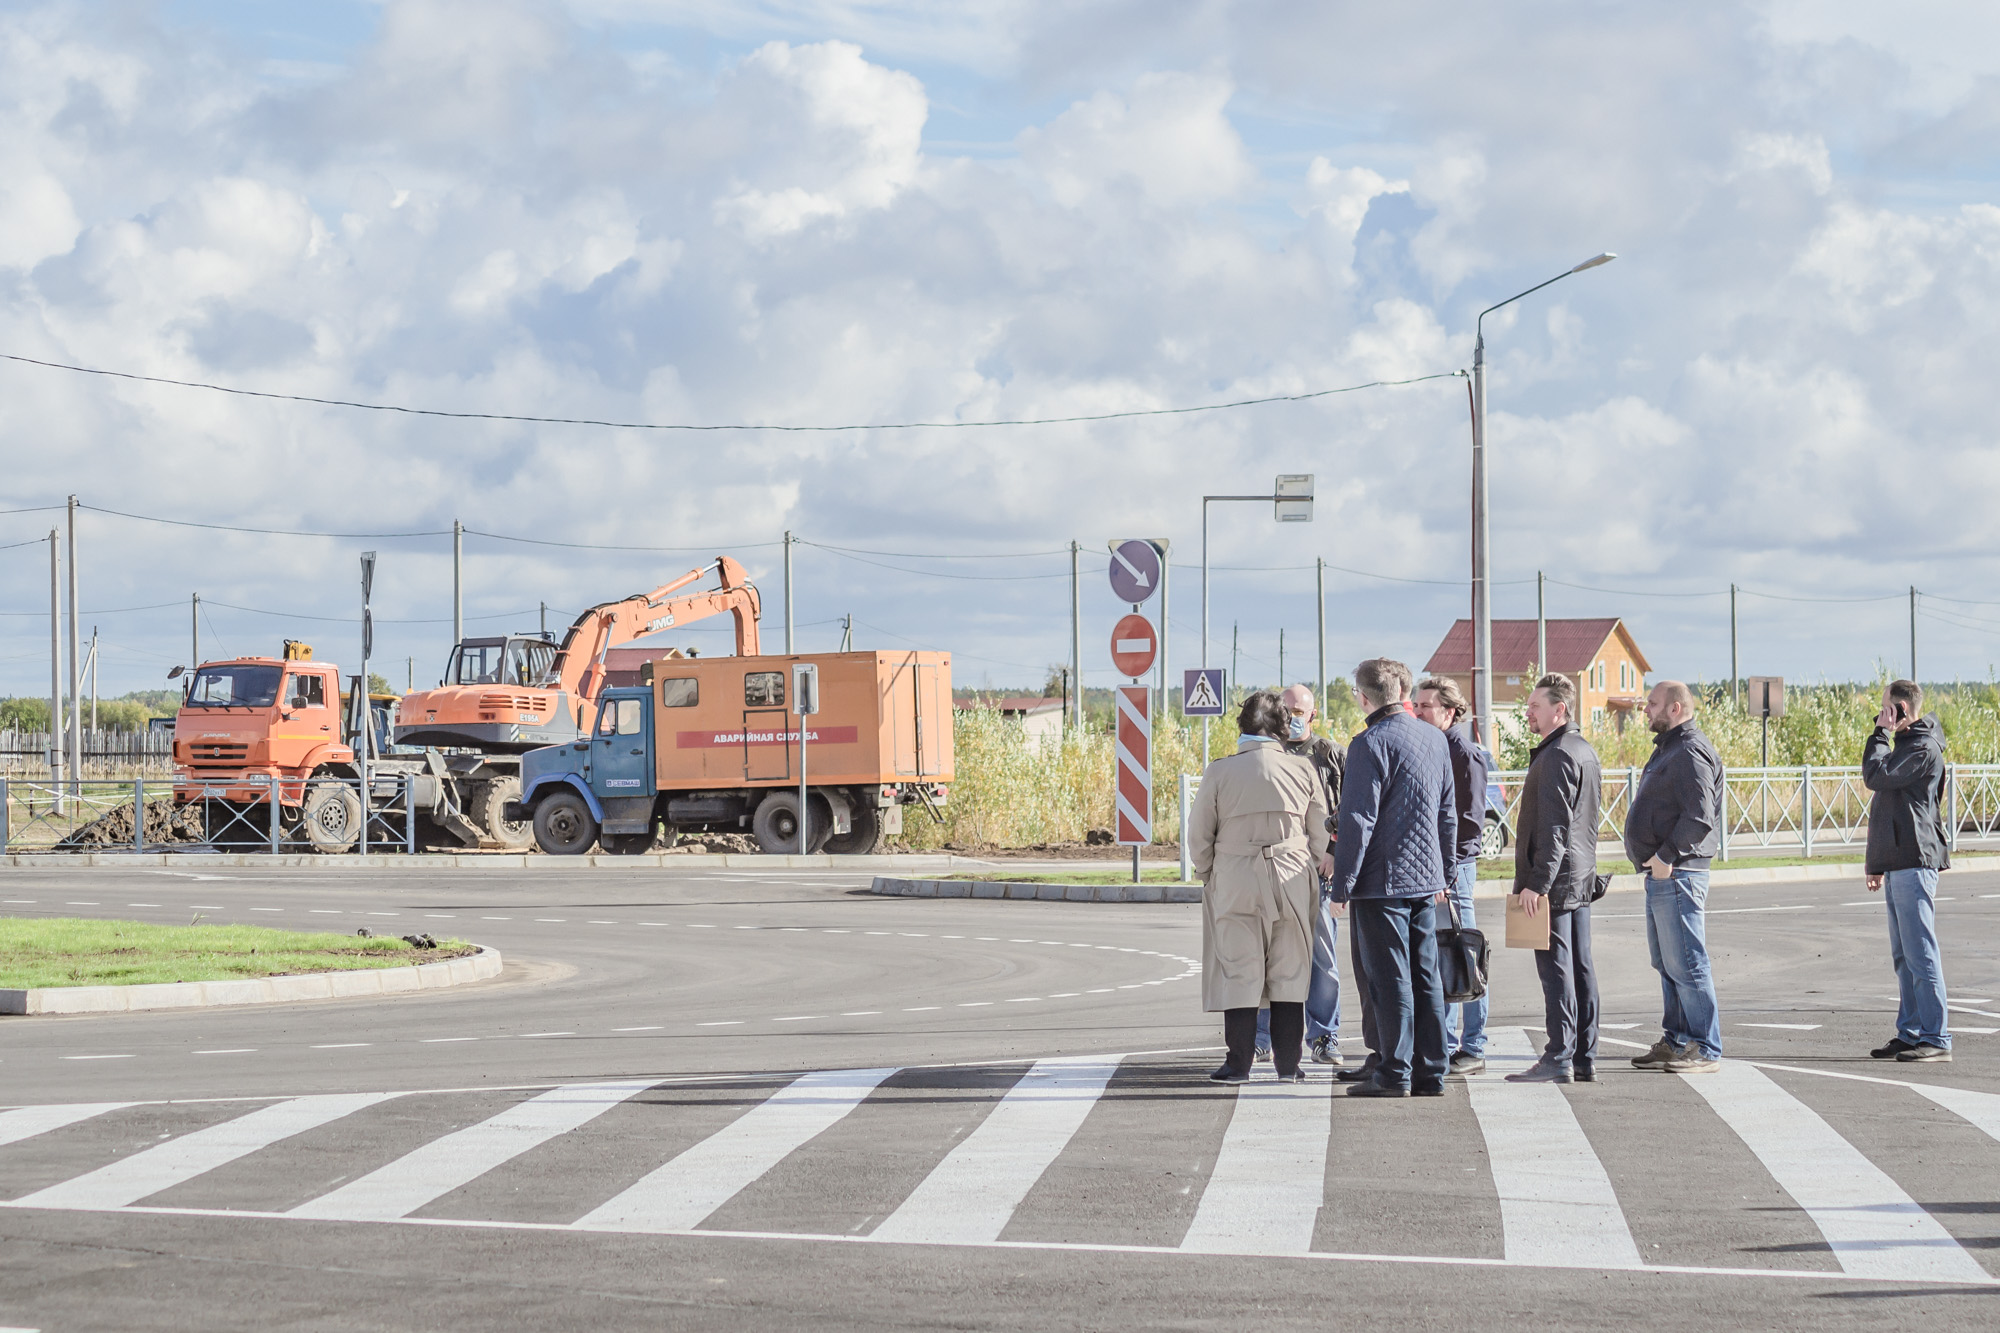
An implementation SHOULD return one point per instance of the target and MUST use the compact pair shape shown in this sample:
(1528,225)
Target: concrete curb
(918,861)
(252,990)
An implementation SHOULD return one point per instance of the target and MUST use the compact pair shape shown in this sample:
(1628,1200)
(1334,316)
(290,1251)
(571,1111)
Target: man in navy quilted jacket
(1398,830)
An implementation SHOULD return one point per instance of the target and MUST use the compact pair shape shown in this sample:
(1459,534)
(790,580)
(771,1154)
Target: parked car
(1495,840)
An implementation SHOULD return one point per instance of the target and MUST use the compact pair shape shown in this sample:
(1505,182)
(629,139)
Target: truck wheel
(776,824)
(564,825)
(330,818)
(864,836)
(486,800)
(627,844)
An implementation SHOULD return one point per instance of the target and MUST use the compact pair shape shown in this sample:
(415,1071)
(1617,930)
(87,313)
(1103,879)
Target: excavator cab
(513,660)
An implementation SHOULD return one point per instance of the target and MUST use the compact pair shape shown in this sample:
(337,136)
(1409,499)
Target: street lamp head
(1594,261)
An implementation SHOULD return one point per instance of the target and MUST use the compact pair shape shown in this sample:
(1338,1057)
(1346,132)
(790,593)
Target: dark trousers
(1288,1036)
(1569,988)
(1358,970)
(1405,991)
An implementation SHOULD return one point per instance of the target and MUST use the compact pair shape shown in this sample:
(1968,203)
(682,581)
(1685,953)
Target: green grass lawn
(74,952)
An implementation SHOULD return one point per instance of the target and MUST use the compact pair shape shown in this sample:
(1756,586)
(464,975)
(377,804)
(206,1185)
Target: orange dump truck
(712,745)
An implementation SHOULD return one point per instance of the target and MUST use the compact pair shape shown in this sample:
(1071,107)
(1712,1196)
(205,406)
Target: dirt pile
(712,842)
(165,823)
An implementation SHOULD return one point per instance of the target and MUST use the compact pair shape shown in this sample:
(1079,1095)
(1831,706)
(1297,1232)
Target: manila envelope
(1524,931)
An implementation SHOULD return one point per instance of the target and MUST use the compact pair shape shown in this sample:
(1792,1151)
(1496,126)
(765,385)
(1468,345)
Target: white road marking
(385,914)
(548,1034)
(231,1050)
(442,1165)
(798,1018)
(551,920)
(440,916)
(1785,1027)
(496,918)
(1872,1226)
(679,1194)
(20,902)
(27,1121)
(433,1041)
(142,904)
(922,1008)
(651,1027)
(278,909)
(975,1004)
(1269,1181)
(328,911)
(133,1178)
(860,1013)
(971,1195)
(96,1057)
(1557,1207)
(600,923)
(82,904)
(339,1045)
(721,1023)
(1978,1032)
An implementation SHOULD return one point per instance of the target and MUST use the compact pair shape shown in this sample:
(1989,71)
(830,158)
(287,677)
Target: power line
(356,620)
(265,532)
(590,546)
(940,574)
(650,425)
(924,555)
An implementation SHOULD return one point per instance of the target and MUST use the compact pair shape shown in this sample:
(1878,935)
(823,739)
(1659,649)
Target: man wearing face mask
(1323,998)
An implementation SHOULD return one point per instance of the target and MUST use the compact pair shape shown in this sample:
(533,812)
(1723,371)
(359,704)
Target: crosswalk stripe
(971,1195)
(1269,1181)
(147,1173)
(442,1165)
(678,1195)
(1872,1226)
(1982,1109)
(1557,1206)
(27,1121)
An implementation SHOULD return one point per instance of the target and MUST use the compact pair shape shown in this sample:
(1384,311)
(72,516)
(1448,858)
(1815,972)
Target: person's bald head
(1670,704)
(1299,700)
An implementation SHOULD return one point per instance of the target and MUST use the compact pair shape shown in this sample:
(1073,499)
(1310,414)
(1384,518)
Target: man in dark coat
(1903,764)
(1397,830)
(1439,702)
(1671,833)
(1555,871)
(1323,1000)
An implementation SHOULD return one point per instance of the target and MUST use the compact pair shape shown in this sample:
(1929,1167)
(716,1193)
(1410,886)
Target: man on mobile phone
(1903,764)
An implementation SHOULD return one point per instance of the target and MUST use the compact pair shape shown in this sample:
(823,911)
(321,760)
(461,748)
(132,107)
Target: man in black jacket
(1903,764)
(1672,833)
(1439,702)
(1555,870)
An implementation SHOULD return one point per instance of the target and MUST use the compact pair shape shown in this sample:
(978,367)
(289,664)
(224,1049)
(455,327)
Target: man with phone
(1903,764)
(1671,835)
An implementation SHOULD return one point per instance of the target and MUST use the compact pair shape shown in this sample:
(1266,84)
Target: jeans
(1913,948)
(1678,942)
(1569,989)
(1474,1042)
(1323,995)
(1398,938)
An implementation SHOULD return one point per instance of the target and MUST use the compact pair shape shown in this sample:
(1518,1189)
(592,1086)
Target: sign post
(1136,570)
(805,703)
(1767,700)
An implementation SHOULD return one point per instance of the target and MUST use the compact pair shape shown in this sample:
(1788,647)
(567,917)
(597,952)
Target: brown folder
(1524,931)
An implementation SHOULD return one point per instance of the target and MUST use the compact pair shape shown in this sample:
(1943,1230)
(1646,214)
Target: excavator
(503,696)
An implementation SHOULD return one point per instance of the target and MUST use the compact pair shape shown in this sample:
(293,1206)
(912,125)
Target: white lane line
(1872,1226)
(440,916)
(434,1041)
(1981,1109)
(96,1057)
(339,1045)
(496,918)
(231,1050)
(328,911)
(206,907)
(1557,1207)
(679,1194)
(442,1165)
(798,1018)
(27,1121)
(142,904)
(267,909)
(922,1008)
(1977,1032)
(551,920)
(385,914)
(600,923)
(722,1023)
(1269,1181)
(650,1027)
(147,1173)
(80,904)
(1783,1027)
(20,902)
(548,1034)
(975,1004)
(971,1195)
(860,1013)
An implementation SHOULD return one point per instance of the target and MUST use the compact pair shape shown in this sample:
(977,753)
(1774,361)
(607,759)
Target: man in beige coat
(1256,837)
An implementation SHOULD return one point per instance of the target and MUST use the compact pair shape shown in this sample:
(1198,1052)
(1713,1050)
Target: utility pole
(409,674)
(55,667)
(77,697)
(194,621)
(1166,578)
(1913,619)
(1281,659)
(1735,670)
(93,678)
(1232,660)
(545,620)
(457,583)
(847,633)
(1541,625)
(788,597)
(363,705)
(1076,629)
(1319,684)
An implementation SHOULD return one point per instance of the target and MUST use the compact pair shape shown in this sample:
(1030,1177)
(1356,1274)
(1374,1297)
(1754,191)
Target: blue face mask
(1296,728)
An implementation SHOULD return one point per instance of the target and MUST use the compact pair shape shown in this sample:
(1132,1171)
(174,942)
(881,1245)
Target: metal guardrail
(137,815)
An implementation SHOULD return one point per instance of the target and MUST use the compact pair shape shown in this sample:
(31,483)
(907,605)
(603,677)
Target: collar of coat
(1245,742)
(1676,732)
(1550,739)
(1384,713)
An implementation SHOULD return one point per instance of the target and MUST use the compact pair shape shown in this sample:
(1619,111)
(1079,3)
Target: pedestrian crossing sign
(1201,692)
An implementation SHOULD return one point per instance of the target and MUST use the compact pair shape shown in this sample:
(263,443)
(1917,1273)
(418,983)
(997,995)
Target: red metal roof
(1573,645)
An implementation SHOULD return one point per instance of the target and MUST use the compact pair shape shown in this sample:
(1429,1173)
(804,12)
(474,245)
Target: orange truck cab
(711,745)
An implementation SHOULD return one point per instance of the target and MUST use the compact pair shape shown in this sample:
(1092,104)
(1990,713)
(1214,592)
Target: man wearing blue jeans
(1903,764)
(1323,994)
(1439,702)
(1671,834)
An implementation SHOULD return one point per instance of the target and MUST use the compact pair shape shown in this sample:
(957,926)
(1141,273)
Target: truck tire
(330,817)
(864,837)
(775,826)
(486,800)
(627,844)
(564,825)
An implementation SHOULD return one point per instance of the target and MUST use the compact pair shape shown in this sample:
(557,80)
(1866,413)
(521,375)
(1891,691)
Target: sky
(852,212)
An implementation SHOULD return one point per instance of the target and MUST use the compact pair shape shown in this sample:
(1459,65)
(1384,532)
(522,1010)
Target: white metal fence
(141,815)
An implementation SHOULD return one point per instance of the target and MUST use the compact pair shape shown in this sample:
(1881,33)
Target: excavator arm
(579,664)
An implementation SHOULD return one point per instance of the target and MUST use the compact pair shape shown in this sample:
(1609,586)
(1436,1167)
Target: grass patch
(66,951)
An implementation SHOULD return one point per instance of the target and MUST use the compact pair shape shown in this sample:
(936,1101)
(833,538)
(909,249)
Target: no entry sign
(1134,646)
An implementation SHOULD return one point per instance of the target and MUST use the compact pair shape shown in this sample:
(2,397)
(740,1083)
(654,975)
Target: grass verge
(65,951)
(1151,876)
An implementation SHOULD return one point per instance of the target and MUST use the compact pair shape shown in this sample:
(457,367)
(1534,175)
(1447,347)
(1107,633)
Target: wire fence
(237,814)
(106,754)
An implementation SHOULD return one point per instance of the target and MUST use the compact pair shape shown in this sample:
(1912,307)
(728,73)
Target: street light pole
(1482,537)
(1292,495)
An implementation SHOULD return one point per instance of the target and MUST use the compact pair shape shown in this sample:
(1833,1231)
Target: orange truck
(712,745)
(504,696)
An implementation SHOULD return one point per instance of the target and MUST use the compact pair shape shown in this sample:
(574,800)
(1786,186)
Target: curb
(507,860)
(252,990)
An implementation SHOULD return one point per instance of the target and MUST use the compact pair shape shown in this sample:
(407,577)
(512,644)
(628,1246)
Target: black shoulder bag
(1462,959)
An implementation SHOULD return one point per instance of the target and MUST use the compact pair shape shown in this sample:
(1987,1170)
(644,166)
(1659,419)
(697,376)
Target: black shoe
(1374,1087)
(1542,1071)
(1467,1064)
(1895,1048)
(1361,1073)
(1227,1075)
(1941,1054)
(1428,1090)
(1584,1071)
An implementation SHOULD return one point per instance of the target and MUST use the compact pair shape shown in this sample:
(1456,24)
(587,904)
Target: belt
(1269,851)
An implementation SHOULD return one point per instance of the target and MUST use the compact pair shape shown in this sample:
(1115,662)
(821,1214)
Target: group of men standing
(1388,832)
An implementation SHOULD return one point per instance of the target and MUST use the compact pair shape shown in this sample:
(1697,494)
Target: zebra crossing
(1133,1152)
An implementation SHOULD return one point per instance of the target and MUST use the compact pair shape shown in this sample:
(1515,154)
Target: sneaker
(1542,1071)
(1262,1054)
(1465,1062)
(1584,1071)
(1893,1050)
(1227,1075)
(1657,1058)
(1690,1060)
(1324,1052)
(1927,1052)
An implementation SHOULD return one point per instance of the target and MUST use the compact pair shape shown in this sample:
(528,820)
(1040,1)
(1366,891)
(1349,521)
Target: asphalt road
(770,1100)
